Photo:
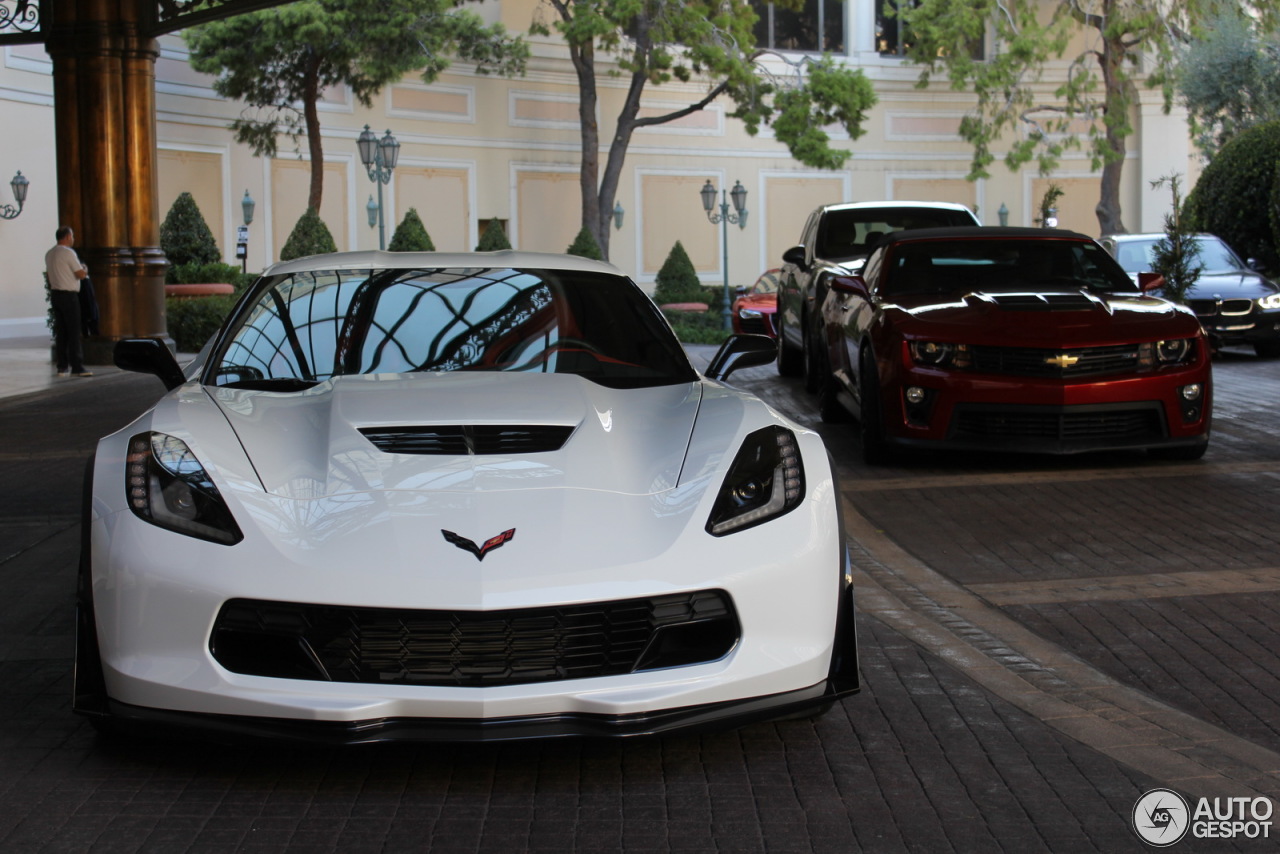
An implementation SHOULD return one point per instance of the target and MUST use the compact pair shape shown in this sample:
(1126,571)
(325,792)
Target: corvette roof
(382,260)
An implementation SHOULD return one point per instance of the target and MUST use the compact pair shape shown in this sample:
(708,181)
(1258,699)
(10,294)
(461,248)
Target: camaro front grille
(463,439)
(1123,424)
(1067,363)
(473,648)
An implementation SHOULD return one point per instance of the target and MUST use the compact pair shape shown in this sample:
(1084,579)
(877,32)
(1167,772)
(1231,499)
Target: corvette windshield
(304,328)
(1021,265)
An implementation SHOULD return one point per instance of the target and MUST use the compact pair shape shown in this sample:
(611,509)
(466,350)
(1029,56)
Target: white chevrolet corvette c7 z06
(457,497)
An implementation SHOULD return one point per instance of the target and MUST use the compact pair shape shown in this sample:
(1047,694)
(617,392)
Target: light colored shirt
(62,263)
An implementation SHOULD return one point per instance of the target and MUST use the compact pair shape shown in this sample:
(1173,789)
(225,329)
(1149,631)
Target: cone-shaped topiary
(585,245)
(185,236)
(310,237)
(1233,197)
(411,235)
(677,280)
(494,238)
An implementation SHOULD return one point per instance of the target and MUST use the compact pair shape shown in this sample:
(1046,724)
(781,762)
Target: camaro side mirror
(149,356)
(1148,282)
(795,255)
(741,351)
(850,285)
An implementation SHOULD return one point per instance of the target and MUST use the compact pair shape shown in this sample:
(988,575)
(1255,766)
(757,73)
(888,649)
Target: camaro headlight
(765,481)
(168,487)
(937,354)
(1269,302)
(1174,351)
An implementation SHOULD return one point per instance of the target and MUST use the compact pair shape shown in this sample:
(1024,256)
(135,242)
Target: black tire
(875,451)
(829,408)
(790,359)
(812,367)
(1184,453)
(1267,349)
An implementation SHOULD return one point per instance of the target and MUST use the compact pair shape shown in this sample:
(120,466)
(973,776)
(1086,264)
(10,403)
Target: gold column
(104,107)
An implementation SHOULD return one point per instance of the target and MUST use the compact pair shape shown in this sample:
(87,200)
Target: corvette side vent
(462,439)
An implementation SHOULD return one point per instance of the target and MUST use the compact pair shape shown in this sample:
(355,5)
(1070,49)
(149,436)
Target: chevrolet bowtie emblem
(1062,360)
(481,550)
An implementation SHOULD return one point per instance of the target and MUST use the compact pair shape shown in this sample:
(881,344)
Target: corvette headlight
(765,481)
(1269,303)
(1174,351)
(168,487)
(937,354)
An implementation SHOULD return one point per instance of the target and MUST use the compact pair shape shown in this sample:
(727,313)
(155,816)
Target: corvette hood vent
(1078,301)
(460,439)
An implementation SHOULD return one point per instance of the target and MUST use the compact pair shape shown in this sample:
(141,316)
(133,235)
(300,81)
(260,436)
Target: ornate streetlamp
(739,196)
(379,157)
(19,186)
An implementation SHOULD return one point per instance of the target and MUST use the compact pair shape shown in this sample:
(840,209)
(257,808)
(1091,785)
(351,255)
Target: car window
(1138,256)
(1009,266)
(310,327)
(766,284)
(855,232)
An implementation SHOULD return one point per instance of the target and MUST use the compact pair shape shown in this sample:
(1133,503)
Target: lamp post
(379,157)
(1003,213)
(19,186)
(618,213)
(739,196)
(247,204)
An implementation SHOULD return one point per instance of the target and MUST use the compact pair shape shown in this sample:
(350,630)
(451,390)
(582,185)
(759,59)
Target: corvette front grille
(472,648)
(1066,363)
(463,439)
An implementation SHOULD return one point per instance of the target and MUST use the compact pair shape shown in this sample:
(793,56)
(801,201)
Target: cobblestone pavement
(1042,641)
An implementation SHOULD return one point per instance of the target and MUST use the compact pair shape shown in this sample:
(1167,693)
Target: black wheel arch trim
(89,688)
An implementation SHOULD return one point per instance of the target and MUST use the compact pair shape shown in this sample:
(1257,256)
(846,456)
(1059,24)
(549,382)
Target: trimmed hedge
(585,245)
(494,238)
(193,321)
(185,236)
(1237,193)
(309,237)
(411,235)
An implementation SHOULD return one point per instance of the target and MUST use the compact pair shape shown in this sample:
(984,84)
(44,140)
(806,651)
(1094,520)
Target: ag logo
(1161,817)
(481,550)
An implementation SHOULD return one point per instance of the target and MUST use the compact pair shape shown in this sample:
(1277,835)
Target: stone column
(104,112)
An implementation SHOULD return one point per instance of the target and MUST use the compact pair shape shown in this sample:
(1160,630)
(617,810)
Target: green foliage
(1049,201)
(411,235)
(193,320)
(494,238)
(196,273)
(697,327)
(279,60)
(677,280)
(585,245)
(1230,79)
(832,94)
(1013,108)
(1236,195)
(309,237)
(185,236)
(1174,256)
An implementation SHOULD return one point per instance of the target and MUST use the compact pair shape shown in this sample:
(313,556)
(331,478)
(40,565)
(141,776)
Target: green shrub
(494,238)
(310,237)
(185,236)
(697,327)
(193,320)
(677,280)
(411,235)
(198,273)
(585,246)
(1234,197)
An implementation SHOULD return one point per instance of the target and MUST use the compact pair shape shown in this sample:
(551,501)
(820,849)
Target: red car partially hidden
(753,311)
(1012,339)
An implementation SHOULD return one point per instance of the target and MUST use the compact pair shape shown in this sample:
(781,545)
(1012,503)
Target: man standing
(65,272)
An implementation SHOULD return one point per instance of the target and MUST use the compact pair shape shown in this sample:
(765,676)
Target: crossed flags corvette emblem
(481,550)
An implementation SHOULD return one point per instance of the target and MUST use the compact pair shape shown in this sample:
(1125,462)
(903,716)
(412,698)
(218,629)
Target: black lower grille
(1121,425)
(762,325)
(473,648)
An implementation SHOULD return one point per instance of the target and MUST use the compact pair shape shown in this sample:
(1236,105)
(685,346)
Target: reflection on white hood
(308,445)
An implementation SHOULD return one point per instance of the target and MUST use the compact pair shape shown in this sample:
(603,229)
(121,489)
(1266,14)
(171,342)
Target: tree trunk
(583,56)
(1117,103)
(311,116)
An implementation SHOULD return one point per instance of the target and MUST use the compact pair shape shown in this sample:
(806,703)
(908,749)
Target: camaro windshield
(303,328)
(1001,266)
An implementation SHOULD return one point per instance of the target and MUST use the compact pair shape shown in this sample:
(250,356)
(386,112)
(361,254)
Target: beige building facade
(477,147)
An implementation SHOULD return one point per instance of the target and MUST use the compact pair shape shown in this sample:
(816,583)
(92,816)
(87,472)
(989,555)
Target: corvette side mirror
(741,351)
(1148,282)
(149,356)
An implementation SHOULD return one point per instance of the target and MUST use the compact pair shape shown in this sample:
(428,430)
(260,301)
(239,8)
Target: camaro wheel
(870,420)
